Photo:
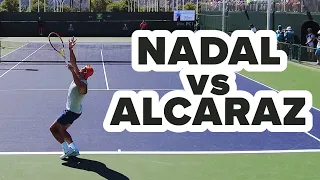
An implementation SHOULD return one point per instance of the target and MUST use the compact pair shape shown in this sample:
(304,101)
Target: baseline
(119,152)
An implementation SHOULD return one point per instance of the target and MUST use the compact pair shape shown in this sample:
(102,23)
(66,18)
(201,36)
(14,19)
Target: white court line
(104,70)
(168,152)
(309,134)
(175,152)
(21,61)
(14,50)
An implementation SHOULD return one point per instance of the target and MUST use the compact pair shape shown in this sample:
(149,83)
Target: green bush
(9,6)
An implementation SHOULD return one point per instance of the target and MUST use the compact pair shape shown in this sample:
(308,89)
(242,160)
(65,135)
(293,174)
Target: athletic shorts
(68,117)
(318,52)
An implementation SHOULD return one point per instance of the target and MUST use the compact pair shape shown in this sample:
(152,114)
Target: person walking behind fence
(317,53)
(310,43)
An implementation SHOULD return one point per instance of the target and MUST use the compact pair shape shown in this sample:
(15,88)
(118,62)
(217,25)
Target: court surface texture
(33,95)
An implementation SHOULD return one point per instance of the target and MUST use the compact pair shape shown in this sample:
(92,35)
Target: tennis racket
(57,44)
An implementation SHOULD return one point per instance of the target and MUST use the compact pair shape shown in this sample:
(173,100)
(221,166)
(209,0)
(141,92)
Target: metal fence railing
(297,52)
(298,6)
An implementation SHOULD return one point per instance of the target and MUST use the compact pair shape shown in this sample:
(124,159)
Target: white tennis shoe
(70,152)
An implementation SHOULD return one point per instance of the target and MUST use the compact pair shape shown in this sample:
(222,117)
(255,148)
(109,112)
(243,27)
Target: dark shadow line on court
(14,69)
(94,166)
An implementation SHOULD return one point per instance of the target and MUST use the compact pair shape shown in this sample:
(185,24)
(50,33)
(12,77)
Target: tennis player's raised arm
(77,80)
(73,59)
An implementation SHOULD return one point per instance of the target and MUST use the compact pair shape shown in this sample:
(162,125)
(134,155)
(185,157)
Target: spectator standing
(289,40)
(317,53)
(310,43)
(40,26)
(280,36)
(289,35)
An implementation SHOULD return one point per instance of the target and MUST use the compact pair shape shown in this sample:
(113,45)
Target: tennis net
(42,52)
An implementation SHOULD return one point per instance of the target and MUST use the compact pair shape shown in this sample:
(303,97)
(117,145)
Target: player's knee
(61,129)
(52,129)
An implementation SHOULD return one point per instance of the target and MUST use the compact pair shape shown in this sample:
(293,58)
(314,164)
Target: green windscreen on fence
(212,22)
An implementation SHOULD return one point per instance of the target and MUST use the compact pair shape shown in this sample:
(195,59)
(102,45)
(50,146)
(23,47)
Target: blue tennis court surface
(32,96)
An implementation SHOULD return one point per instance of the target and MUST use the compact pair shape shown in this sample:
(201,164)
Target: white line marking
(21,61)
(309,134)
(168,152)
(104,70)
(163,163)
(14,50)
(314,137)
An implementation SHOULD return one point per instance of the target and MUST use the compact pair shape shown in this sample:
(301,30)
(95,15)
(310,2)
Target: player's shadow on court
(94,166)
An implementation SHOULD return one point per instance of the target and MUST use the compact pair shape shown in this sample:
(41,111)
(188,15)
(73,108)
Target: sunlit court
(33,93)
(35,83)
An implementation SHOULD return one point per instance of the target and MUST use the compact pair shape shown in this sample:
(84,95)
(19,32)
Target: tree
(120,6)
(99,5)
(34,6)
(189,6)
(67,8)
(9,6)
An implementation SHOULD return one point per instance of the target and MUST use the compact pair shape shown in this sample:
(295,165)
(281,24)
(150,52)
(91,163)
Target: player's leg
(67,137)
(56,132)
(72,148)
(54,129)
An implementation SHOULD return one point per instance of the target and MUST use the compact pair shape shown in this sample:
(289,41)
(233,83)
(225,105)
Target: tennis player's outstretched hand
(72,43)
(69,66)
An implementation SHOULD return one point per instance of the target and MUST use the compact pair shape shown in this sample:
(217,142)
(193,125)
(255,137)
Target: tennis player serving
(77,90)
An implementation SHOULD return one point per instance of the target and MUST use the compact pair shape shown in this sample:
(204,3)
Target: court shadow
(19,69)
(94,166)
